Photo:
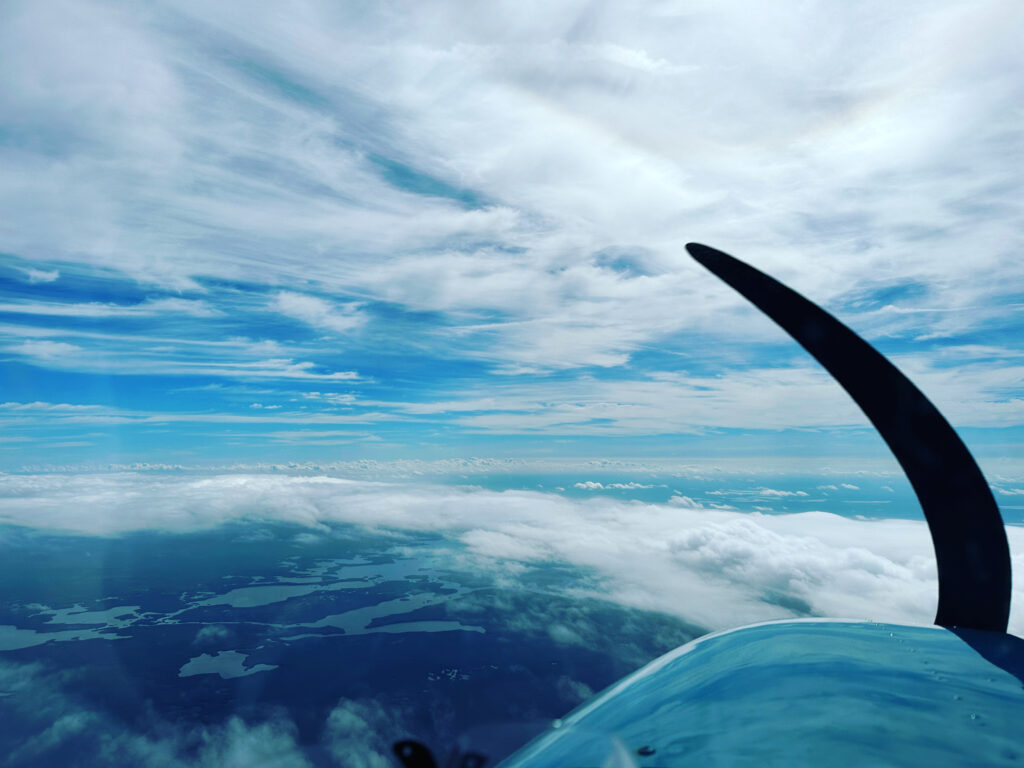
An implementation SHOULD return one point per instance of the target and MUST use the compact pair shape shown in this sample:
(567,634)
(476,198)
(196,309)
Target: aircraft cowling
(806,692)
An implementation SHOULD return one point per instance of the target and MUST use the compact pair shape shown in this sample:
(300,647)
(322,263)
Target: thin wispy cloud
(44,350)
(153,307)
(63,356)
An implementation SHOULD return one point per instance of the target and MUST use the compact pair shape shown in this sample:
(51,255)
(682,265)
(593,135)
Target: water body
(14,638)
(253,597)
(227,664)
(119,616)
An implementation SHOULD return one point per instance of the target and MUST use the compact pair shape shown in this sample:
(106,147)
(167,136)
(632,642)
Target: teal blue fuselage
(806,693)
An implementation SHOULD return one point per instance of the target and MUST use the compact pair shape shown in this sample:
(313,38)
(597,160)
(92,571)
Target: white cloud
(593,485)
(763,493)
(36,276)
(683,402)
(845,150)
(260,348)
(713,567)
(684,501)
(318,313)
(334,398)
(50,407)
(28,414)
(660,404)
(356,732)
(150,307)
(142,354)
(45,350)
(212,633)
(321,437)
(61,355)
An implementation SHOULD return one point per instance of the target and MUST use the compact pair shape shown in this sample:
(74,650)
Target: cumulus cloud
(57,723)
(593,485)
(356,732)
(767,493)
(712,567)
(213,634)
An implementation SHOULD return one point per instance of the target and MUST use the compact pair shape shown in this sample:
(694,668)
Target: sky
(243,233)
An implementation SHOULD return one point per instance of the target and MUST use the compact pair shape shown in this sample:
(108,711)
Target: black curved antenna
(966,527)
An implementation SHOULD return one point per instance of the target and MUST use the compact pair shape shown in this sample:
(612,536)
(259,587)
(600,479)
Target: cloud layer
(712,567)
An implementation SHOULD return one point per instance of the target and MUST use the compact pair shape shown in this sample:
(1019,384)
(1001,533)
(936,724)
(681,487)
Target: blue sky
(330,232)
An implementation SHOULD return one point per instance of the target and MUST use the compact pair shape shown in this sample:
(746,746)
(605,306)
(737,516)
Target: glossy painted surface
(805,693)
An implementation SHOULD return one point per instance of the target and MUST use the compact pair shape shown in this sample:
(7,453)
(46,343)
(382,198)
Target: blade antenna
(966,527)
